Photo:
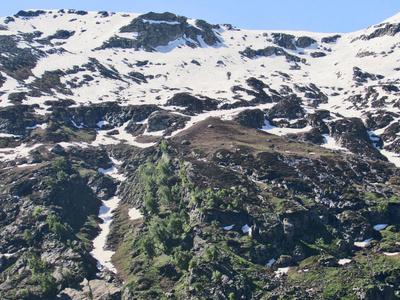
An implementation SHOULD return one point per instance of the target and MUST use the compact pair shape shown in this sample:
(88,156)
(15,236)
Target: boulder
(289,108)
(305,42)
(254,118)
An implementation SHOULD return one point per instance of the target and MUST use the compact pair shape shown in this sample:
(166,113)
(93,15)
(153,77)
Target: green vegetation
(28,237)
(41,273)
(38,211)
(55,225)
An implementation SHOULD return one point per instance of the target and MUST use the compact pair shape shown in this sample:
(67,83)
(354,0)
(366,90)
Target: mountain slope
(241,153)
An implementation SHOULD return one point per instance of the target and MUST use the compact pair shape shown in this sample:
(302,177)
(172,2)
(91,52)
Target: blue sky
(309,15)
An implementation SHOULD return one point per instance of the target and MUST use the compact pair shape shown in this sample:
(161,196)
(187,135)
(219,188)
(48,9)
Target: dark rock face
(313,136)
(193,105)
(305,42)
(379,120)
(385,29)
(284,40)
(62,34)
(318,54)
(17,62)
(30,13)
(15,119)
(352,134)
(110,112)
(254,118)
(268,51)
(156,30)
(286,108)
(362,77)
(162,120)
(17,97)
(331,39)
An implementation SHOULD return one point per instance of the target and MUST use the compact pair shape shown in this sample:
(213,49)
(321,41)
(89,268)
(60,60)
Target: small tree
(182,259)
(164,146)
(211,253)
(55,225)
(148,246)
(28,237)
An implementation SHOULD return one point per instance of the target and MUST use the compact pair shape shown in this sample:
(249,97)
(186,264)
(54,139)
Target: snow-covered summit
(136,59)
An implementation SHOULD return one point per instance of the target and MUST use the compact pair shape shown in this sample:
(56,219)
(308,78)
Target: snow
(42,126)
(362,244)
(104,256)
(228,227)
(344,261)
(246,229)
(391,253)
(271,262)
(174,73)
(281,271)
(99,252)
(283,131)
(7,135)
(9,154)
(392,157)
(332,144)
(121,137)
(134,214)
(380,226)
(161,22)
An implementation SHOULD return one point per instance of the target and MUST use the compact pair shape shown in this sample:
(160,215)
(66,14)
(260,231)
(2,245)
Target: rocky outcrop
(331,39)
(162,120)
(305,42)
(362,77)
(268,51)
(383,30)
(192,104)
(155,30)
(284,40)
(252,118)
(289,108)
(352,134)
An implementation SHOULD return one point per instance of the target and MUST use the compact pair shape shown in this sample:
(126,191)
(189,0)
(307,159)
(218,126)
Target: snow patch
(102,255)
(246,229)
(8,135)
(380,227)
(391,253)
(271,262)
(99,252)
(344,261)
(281,271)
(228,227)
(283,131)
(161,22)
(330,143)
(134,214)
(362,244)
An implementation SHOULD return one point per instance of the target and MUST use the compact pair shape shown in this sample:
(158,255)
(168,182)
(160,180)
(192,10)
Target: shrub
(382,207)
(38,211)
(55,225)
(211,253)
(182,259)
(215,224)
(62,176)
(51,183)
(148,246)
(28,237)
(192,264)
(164,146)
(61,164)
(216,276)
